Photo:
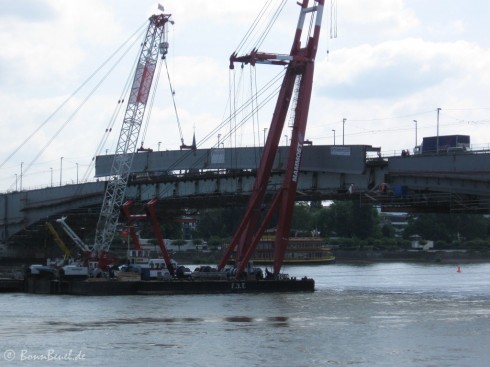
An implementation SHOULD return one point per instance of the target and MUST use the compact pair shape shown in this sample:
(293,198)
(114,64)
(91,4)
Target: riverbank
(13,268)
(437,256)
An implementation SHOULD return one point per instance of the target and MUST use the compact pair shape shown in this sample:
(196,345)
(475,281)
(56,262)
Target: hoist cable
(167,188)
(272,88)
(172,92)
(252,27)
(116,112)
(270,24)
(150,106)
(73,114)
(21,145)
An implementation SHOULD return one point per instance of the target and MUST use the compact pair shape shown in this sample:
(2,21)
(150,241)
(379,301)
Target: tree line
(358,226)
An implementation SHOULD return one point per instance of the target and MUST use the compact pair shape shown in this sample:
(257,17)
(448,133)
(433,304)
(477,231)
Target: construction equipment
(77,240)
(58,240)
(130,218)
(155,44)
(298,79)
(151,214)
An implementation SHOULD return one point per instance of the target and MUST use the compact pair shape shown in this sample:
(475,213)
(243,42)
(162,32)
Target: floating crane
(298,79)
(154,45)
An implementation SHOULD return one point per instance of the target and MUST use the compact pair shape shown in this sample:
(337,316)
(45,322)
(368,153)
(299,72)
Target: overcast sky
(392,62)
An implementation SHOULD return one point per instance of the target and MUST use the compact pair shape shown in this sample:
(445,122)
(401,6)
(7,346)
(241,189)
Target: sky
(381,65)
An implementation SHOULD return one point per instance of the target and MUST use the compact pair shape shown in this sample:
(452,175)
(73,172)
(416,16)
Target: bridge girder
(418,184)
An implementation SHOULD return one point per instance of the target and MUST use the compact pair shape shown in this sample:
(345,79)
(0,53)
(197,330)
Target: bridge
(217,177)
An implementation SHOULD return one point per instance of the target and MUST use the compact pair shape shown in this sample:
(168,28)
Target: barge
(11,285)
(114,287)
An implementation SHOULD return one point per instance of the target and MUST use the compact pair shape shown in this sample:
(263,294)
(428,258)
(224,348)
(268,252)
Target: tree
(365,221)
(302,218)
(448,227)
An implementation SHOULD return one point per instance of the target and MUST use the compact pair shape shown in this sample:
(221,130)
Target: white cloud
(393,61)
(399,68)
(390,17)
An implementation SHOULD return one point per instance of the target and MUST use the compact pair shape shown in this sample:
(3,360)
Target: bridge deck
(217,177)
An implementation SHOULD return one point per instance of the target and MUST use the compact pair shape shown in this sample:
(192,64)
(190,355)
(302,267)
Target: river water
(386,314)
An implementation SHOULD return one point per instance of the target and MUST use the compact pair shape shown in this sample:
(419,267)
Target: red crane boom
(299,66)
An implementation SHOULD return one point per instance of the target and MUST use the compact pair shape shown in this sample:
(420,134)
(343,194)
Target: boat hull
(105,287)
(326,261)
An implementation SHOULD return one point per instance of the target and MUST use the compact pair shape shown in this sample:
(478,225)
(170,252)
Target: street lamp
(343,129)
(21,165)
(437,146)
(219,136)
(15,181)
(61,170)
(77,172)
(333,136)
(51,168)
(415,132)
(159,143)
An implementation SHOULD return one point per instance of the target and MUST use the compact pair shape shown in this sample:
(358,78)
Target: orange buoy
(459,269)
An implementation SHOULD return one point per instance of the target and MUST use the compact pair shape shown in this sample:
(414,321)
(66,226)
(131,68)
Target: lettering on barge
(238,285)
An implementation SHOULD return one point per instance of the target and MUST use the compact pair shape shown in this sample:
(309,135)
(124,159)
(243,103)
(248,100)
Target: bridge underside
(455,183)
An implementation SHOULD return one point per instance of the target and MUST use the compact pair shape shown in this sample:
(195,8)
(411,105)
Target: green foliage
(218,222)
(358,226)
(477,245)
(169,230)
(448,227)
(302,218)
(387,230)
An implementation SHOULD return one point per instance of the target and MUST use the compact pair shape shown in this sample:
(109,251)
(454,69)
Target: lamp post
(51,168)
(219,136)
(15,181)
(286,139)
(343,129)
(333,136)
(437,142)
(415,132)
(77,172)
(21,166)
(159,143)
(61,170)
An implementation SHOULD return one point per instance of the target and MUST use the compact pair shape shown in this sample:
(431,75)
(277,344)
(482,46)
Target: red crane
(299,72)
(151,214)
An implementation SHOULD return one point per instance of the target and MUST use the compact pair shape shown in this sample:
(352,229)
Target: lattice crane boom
(155,44)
